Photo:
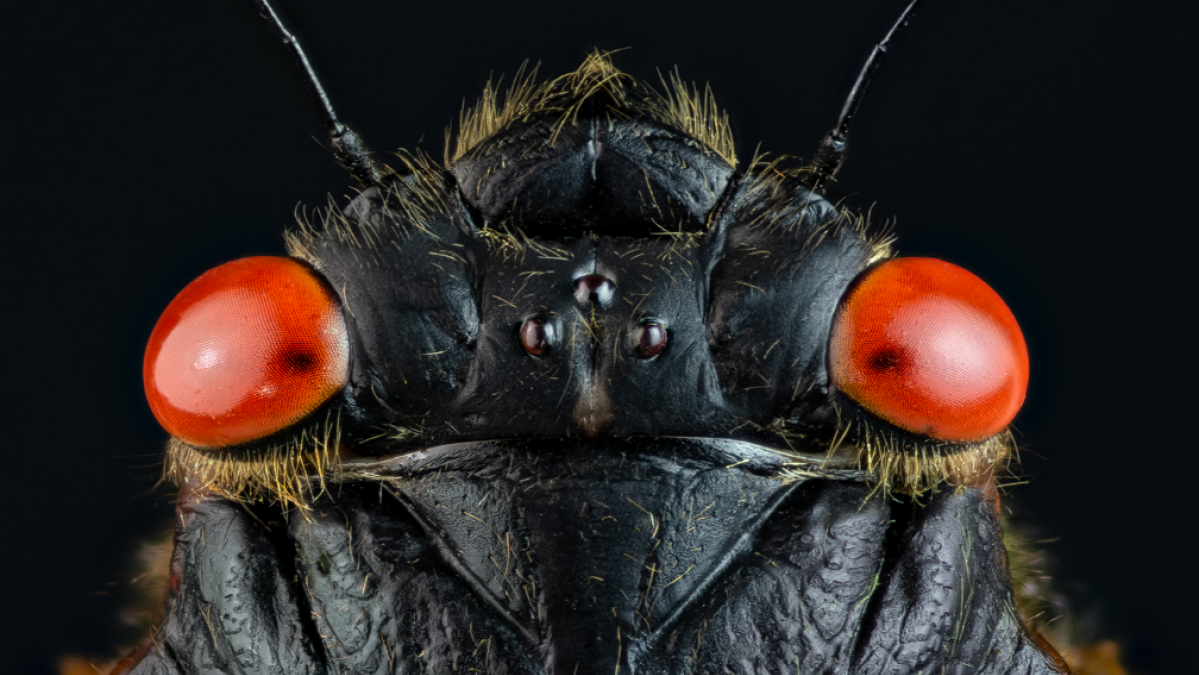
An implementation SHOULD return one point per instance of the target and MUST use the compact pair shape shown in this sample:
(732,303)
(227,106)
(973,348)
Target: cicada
(588,395)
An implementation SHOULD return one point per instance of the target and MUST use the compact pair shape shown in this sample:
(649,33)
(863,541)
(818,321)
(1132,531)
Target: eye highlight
(649,339)
(246,350)
(930,348)
(537,336)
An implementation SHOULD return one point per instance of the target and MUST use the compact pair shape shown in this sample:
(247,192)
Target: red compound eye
(248,349)
(930,348)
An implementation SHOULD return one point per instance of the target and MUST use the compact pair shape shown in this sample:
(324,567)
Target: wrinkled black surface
(747,305)
(654,557)
(615,177)
(588,510)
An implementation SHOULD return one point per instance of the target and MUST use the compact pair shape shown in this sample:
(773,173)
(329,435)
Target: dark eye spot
(536,336)
(885,360)
(649,339)
(297,361)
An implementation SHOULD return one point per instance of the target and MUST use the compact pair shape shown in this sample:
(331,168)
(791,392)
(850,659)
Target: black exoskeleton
(570,404)
(589,428)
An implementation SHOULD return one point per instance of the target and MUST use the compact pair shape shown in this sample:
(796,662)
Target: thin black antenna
(347,145)
(832,151)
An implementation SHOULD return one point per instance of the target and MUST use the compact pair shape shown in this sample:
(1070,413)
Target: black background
(1047,147)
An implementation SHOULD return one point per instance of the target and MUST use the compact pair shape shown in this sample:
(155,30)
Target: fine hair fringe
(770,193)
(291,473)
(417,195)
(683,106)
(914,468)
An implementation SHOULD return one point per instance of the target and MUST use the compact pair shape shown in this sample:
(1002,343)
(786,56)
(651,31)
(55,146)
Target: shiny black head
(714,291)
(584,419)
(595,152)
